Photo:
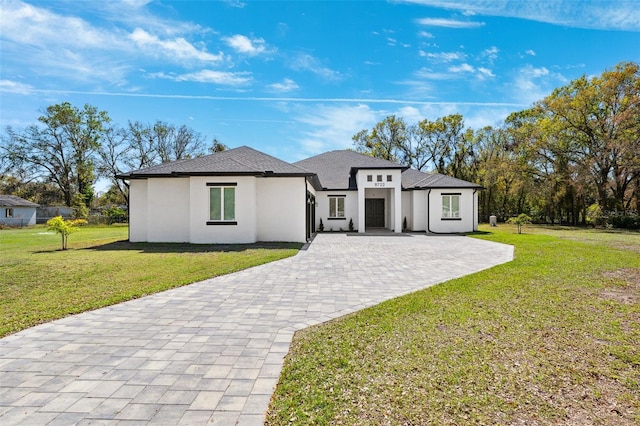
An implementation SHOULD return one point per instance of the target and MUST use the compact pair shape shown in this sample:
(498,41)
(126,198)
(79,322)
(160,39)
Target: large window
(222,204)
(450,206)
(336,207)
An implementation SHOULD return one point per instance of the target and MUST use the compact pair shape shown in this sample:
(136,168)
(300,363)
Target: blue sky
(294,79)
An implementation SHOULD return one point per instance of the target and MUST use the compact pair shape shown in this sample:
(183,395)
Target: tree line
(573,157)
(59,160)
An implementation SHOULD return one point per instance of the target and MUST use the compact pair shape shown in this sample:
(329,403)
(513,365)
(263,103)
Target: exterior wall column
(397,209)
(361,216)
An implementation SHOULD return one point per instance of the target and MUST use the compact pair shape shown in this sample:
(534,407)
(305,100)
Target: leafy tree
(64,227)
(144,145)
(387,140)
(217,146)
(61,150)
(520,220)
(596,126)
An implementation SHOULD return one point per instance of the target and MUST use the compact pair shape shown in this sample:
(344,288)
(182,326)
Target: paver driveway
(213,351)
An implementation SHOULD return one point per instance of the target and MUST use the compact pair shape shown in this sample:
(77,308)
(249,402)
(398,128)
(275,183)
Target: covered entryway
(374,213)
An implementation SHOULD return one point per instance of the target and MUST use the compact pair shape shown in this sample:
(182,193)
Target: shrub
(520,220)
(627,221)
(115,214)
(64,227)
(595,215)
(321,226)
(351,228)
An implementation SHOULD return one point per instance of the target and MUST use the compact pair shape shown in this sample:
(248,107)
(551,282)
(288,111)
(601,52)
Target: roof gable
(335,169)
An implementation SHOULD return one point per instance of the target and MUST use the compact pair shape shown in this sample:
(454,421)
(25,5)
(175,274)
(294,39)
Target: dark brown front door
(374,212)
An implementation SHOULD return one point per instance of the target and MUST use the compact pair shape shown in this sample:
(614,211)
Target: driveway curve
(211,352)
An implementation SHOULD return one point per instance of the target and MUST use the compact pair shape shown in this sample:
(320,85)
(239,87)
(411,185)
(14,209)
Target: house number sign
(379,184)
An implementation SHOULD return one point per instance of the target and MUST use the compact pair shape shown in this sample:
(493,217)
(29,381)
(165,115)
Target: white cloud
(332,127)
(532,84)
(177,48)
(530,52)
(425,34)
(37,27)
(448,23)
(607,15)
(306,62)
(210,76)
(47,44)
(461,68)
(485,73)
(236,3)
(443,56)
(8,86)
(245,45)
(491,54)
(286,85)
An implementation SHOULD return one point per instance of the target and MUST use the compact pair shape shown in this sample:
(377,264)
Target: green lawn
(550,338)
(39,282)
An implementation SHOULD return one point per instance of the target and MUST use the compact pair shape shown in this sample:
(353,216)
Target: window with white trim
(8,212)
(336,207)
(450,206)
(222,203)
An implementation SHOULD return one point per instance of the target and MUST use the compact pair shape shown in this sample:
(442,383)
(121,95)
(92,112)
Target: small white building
(16,211)
(243,196)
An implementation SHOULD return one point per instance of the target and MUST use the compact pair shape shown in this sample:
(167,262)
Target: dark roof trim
(187,174)
(415,188)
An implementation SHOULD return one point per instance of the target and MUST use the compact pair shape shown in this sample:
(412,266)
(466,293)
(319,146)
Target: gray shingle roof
(335,168)
(415,179)
(242,160)
(15,201)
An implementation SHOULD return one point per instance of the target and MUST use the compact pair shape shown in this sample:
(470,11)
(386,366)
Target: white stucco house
(16,211)
(243,196)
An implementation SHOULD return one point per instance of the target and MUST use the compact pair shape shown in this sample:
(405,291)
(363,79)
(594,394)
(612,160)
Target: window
(336,207)
(8,212)
(369,178)
(450,206)
(222,204)
(389,178)
(379,178)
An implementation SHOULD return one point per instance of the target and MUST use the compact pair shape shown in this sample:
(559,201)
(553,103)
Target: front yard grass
(550,338)
(39,282)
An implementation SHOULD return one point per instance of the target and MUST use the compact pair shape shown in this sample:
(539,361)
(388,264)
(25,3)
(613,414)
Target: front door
(374,212)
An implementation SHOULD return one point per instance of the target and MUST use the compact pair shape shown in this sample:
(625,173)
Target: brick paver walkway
(211,352)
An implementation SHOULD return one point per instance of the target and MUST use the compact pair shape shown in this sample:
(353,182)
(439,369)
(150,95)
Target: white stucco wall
(407,202)
(281,209)
(468,211)
(419,210)
(138,210)
(22,216)
(350,210)
(243,232)
(391,192)
(168,210)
